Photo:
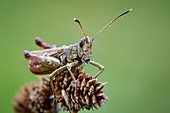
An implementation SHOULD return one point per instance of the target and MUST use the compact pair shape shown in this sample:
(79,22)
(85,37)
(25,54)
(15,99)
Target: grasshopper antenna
(76,20)
(110,23)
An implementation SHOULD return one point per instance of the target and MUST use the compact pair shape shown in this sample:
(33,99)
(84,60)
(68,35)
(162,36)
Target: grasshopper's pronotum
(53,60)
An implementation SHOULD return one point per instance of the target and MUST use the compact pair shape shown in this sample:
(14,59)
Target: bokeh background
(135,50)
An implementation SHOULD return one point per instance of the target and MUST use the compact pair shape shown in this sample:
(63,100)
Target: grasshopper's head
(85,49)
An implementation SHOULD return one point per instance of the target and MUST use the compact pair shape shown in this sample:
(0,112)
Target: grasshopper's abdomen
(41,64)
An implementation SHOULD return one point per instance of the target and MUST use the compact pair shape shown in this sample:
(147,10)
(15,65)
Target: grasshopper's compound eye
(85,41)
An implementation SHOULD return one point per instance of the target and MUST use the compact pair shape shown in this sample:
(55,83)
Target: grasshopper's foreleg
(43,44)
(101,68)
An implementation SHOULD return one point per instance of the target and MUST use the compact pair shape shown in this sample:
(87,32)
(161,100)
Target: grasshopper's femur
(76,20)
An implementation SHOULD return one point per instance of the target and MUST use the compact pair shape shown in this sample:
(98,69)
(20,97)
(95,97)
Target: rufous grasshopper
(53,60)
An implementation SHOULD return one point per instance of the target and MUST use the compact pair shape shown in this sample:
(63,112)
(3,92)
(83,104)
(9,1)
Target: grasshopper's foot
(52,97)
(53,92)
(54,102)
(74,84)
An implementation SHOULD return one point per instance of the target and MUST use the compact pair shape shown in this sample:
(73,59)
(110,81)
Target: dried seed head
(34,98)
(86,93)
(42,98)
(21,102)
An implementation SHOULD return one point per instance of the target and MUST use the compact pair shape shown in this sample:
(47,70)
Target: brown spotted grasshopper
(54,60)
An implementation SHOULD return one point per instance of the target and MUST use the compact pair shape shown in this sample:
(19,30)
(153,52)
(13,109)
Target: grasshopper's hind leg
(57,72)
(43,44)
(52,77)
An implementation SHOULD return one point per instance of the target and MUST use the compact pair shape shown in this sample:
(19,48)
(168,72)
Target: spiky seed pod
(21,103)
(35,98)
(85,93)
(42,98)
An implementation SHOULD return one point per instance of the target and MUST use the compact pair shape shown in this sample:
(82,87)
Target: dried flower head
(21,101)
(35,98)
(85,93)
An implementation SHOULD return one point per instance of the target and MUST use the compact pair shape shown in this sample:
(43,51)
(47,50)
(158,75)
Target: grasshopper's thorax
(81,51)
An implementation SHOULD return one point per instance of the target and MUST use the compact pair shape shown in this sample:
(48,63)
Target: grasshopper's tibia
(58,71)
(69,69)
(101,68)
(43,44)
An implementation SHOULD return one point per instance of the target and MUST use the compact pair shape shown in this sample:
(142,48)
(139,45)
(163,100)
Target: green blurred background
(135,50)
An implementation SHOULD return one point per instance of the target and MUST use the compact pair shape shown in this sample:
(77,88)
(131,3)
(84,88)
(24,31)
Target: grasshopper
(53,60)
